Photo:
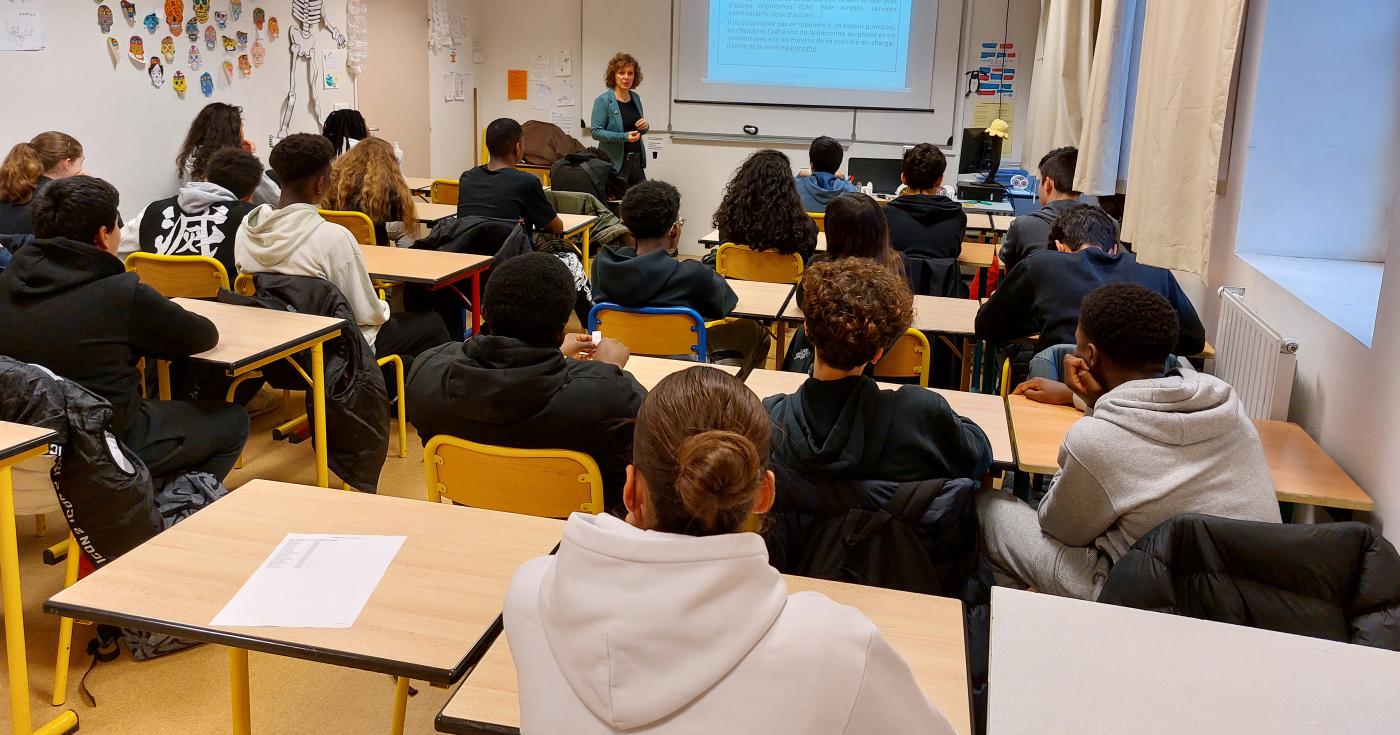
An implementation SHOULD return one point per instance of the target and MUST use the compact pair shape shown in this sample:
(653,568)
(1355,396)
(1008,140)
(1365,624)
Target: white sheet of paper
(564,119)
(312,581)
(563,63)
(567,91)
(477,56)
(539,64)
(449,87)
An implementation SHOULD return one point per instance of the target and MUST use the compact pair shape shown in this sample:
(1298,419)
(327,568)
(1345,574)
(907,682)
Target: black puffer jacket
(1339,581)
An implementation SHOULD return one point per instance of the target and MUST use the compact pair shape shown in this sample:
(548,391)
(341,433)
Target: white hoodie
(296,241)
(625,630)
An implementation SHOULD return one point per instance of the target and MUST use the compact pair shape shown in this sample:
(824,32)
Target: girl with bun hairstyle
(29,167)
(673,621)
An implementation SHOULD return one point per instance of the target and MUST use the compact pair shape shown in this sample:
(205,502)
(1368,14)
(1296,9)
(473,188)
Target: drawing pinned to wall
(167,49)
(157,72)
(175,15)
(195,62)
(129,10)
(272,30)
(259,52)
(563,63)
(221,19)
(308,15)
(230,45)
(104,18)
(439,25)
(151,22)
(115,48)
(242,39)
(136,49)
(228,71)
(331,67)
(259,17)
(996,69)
(206,84)
(201,11)
(192,30)
(178,83)
(245,66)
(357,31)
(211,38)
(236,8)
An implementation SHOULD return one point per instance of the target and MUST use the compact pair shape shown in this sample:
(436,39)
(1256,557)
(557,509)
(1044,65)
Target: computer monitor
(981,154)
(881,173)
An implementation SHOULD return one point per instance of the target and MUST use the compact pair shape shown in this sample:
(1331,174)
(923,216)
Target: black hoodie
(73,309)
(926,225)
(850,429)
(502,391)
(622,277)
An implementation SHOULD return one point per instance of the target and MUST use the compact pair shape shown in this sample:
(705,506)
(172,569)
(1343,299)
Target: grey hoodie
(1151,449)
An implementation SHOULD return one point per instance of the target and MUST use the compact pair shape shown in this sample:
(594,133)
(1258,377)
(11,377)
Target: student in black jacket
(1042,295)
(1030,233)
(526,384)
(923,222)
(68,304)
(840,424)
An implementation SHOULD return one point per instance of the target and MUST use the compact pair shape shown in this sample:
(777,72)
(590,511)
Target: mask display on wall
(167,49)
(151,22)
(211,38)
(178,82)
(228,71)
(259,52)
(272,30)
(242,39)
(157,72)
(206,82)
(192,30)
(258,17)
(129,10)
(221,19)
(201,11)
(229,44)
(115,47)
(136,49)
(175,15)
(104,18)
(244,65)
(195,61)
(236,8)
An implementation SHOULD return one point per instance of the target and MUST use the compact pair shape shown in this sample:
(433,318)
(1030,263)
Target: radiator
(1254,358)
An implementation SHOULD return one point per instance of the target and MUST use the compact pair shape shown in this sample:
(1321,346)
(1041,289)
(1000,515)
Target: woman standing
(618,119)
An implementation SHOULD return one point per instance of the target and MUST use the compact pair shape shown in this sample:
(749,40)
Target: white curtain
(1183,95)
(1108,123)
(1060,88)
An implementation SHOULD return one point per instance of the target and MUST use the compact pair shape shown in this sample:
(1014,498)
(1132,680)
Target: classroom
(898,366)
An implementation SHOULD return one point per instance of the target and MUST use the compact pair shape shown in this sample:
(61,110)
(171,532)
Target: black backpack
(880,548)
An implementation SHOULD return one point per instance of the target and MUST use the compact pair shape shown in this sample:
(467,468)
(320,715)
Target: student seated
(1151,446)
(293,239)
(761,208)
(856,228)
(822,182)
(68,304)
(344,129)
(203,218)
(923,222)
(589,171)
(497,189)
(674,621)
(1030,233)
(367,179)
(29,167)
(219,125)
(1043,294)
(527,384)
(840,424)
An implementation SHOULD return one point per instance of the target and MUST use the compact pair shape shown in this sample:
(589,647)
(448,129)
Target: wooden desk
(429,213)
(983,409)
(424,621)
(419,186)
(250,337)
(978,221)
(581,224)
(650,370)
(759,300)
(1069,666)
(978,255)
(711,239)
(432,267)
(927,631)
(19,442)
(1301,470)
(1001,222)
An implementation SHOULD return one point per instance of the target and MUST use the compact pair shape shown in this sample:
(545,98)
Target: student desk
(581,226)
(978,221)
(760,300)
(982,409)
(1301,470)
(1070,666)
(419,186)
(650,370)
(711,239)
(1001,222)
(424,621)
(436,269)
(19,442)
(926,630)
(250,338)
(429,214)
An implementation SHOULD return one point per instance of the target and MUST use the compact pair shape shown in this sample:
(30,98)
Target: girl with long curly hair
(367,179)
(219,125)
(761,208)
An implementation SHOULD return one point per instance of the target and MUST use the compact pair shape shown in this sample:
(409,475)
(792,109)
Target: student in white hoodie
(293,239)
(1151,446)
(673,621)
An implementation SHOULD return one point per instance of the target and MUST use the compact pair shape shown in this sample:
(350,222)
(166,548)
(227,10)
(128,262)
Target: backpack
(880,548)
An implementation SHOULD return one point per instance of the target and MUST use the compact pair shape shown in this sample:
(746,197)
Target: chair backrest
(907,358)
(245,285)
(540,482)
(358,223)
(652,330)
(179,276)
(542,172)
(746,264)
(820,219)
(444,191)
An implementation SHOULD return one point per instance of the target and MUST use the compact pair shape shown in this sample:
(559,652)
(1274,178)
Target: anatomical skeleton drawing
(307,15)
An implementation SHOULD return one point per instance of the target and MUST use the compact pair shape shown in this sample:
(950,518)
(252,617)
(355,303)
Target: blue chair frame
(700,350)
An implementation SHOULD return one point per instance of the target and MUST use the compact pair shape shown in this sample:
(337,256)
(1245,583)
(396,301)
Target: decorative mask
(151,23)
(206,82)
(175,15)
(167,49)
(259,52)
(211,38)
(192,30)
(228,71)
(195,61)
(221,19)
(272,30)
(157,72)
(201,11)
(129,10)
(178,82)
(244,65)
(242,39)
(104,18)
(114,46)
(229,44)
(258,17)
(136,49)
(236,7)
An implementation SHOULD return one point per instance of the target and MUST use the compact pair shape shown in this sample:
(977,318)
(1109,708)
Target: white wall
(451,129)
(1345,395)
(131,131)
(388,93)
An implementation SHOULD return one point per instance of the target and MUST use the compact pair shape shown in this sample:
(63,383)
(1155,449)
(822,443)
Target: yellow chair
(179,276)
(1006,378)
(551,483)
(908,358)
(746,264)
(358,223)
(541,172)
(444,191)
(820,219)
(654,331)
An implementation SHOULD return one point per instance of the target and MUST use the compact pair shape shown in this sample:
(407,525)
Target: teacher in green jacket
(618,120)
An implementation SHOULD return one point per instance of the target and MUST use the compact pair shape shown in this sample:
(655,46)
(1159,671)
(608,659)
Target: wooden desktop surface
(441,592)
(430,213)
(937,314)
(650,370)
(759,300)
(419,266)
(418,183)
(977,254)
(1001,222)
(17,439)
(248,334)
(575,222)
(711,239)
(978,220)
(1069,666)
(926,630)
(1301,470)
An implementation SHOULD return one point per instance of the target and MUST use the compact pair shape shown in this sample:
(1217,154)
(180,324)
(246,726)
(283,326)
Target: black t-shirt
(630,116)
(504,194)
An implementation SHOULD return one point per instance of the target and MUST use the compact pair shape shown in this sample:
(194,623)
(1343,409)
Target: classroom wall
(394,89)
(1345,395)
(131,131)
(451,126)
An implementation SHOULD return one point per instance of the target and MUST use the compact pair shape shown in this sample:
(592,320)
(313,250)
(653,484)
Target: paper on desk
(312,581)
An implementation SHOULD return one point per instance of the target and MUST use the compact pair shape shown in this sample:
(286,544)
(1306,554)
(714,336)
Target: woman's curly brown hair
(621,60)
(367,179)
(854,308)
(761,207)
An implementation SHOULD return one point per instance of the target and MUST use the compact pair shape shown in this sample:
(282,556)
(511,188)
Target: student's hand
(1081,381)
(1044,390)
(634,136)
(576,345)
(612,352)
(642,124)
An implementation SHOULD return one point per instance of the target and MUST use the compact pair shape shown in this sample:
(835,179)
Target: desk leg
(966,364)
(587,261)
(242,714)
(476,303)
(318,405)
(163,379)
(400,705)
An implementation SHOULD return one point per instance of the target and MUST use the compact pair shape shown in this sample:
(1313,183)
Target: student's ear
(1062,247)
(903,181)
(767,493)
(632,498)
(249,198)
(939,183)
(879,355)
(519,152)
(109,238)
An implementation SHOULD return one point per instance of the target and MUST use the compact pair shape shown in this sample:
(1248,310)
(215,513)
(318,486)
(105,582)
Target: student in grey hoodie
(1150,446)
(821,183)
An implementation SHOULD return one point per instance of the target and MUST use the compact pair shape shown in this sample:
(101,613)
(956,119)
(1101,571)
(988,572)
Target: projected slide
(838,44)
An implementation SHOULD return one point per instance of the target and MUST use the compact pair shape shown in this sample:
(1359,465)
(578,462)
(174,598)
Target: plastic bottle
(398,153)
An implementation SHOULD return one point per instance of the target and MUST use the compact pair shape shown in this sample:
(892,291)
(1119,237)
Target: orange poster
(517,84)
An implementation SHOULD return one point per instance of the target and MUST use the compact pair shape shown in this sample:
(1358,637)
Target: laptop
(881,173)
